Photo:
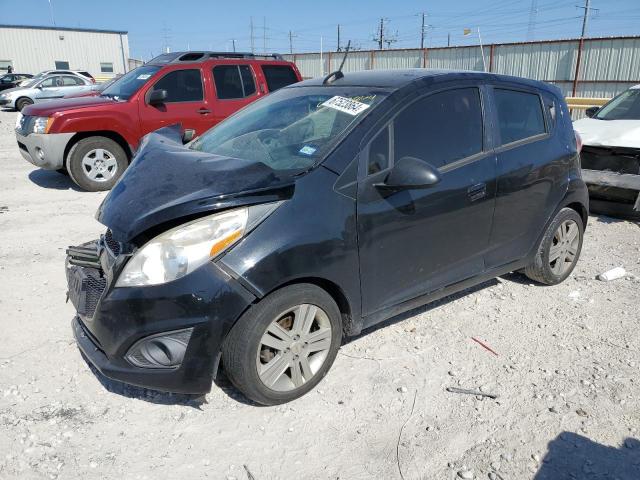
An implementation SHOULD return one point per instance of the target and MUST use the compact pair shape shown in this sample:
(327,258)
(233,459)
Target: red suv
(94,138)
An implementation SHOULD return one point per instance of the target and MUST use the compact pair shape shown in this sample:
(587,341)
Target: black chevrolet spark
(317,211)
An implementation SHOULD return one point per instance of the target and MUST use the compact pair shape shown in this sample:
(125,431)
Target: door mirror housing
(591,111)
(188,135)
(410,173)
(157,97)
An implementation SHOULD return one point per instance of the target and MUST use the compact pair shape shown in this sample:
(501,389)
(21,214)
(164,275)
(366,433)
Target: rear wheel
(284,345)
(96,163)
(23,102)
(559,250)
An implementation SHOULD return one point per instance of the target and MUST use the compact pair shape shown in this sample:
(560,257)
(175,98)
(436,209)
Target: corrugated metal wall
(33,50)
(608,65)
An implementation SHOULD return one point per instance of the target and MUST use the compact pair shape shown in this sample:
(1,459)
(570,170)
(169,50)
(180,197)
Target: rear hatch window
(279,76)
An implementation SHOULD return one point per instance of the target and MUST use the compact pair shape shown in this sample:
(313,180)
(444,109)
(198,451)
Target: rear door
(235,87)
(186,102)
(416,241)
(533,164)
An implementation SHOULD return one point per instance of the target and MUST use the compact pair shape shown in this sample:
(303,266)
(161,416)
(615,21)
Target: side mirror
(188,135)
(591,111)
(409,173)
(157,97)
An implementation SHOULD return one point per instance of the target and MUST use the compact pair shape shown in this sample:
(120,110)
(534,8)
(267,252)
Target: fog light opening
(40,153)
(163,350)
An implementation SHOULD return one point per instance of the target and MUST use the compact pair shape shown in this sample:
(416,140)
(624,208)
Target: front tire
(559,249)
(96,163)
(23,102)
(284,345)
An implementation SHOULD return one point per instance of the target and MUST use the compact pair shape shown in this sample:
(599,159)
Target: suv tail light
(578,141)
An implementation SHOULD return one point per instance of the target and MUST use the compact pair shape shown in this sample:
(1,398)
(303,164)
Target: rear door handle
(204,111)
(476,192)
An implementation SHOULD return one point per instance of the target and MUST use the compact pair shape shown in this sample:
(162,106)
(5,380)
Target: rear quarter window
(278,76)
(520,115)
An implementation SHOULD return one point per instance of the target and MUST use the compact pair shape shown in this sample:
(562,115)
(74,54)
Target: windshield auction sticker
(346,105)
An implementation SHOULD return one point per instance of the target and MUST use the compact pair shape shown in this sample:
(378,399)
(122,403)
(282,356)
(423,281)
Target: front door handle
(204,111)
(476,192)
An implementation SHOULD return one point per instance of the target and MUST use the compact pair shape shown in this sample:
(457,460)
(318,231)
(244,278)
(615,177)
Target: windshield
(625,106)
(32,82)
(130,83)
(291,129)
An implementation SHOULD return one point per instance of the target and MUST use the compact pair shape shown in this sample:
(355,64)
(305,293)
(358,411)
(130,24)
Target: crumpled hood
(168,181)
(609,133)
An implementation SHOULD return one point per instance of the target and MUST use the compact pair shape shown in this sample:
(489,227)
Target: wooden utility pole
(338,49)
(381,35)
(585,22)
(290,42)
(422,33)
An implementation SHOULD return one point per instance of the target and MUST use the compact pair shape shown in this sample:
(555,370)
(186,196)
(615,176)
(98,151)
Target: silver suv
(43,89)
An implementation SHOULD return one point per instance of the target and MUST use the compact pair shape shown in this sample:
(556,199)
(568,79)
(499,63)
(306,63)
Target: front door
(186,103)
(416,241)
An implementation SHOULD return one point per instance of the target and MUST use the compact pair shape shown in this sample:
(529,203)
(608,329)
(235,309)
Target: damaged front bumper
(612,175)
(117,329)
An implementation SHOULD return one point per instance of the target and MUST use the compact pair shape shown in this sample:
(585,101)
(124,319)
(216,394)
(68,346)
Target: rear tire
(559,249)
(302,352)
(23,102)
(96,163)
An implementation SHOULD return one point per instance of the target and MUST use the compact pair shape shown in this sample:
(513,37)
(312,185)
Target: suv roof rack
(177,57)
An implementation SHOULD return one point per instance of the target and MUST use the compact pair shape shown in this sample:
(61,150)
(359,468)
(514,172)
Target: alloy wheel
(99,165)
(294,347)
(564,247)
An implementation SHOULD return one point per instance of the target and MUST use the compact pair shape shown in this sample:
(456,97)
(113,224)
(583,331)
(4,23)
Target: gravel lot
(566,376)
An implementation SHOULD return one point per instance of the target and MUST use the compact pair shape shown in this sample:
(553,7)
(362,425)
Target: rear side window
(440,128)
(519,115)
(181,86)
(379,153)
(279,76)
(71,81)
(88,75)
(233,81)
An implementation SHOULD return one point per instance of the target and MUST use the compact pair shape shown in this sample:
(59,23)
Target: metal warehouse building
(28,49)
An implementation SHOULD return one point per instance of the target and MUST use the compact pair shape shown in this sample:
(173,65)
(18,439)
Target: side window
(379,153)
(181,86)
(278,76)
(441,128)
(233,81)
(519,115)
(71,81)
(49,82)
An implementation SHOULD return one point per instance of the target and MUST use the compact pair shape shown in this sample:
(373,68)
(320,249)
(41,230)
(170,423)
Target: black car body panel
(377,252)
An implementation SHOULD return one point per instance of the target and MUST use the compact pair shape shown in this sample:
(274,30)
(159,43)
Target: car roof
(203,56)
(400,78)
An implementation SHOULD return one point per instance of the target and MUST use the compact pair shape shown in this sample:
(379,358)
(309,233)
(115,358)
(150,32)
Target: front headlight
(179,251)
(42,124)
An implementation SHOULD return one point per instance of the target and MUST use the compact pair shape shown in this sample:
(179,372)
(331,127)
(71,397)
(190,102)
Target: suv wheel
(96,163)
(23,102)
(284,345)
(559,250)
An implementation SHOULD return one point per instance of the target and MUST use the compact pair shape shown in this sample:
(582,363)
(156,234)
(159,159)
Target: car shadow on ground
(8,110)
(571,456)
(607,219)
(53,179)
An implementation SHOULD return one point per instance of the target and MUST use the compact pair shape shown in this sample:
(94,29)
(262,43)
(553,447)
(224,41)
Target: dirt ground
(566,376)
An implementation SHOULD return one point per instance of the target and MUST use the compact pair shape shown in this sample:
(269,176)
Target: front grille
(94,288)
(25,127)
(112,244)
(22,146)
